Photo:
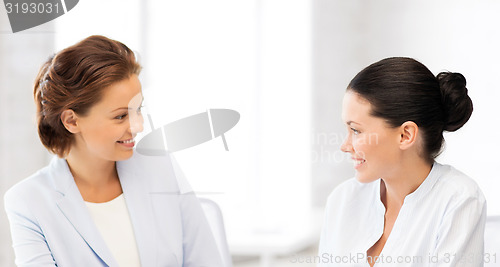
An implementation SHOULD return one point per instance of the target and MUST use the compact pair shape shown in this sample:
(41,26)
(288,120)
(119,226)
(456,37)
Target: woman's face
(108,129)
(373,145)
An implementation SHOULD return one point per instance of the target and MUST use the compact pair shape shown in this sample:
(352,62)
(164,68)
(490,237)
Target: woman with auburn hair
(403,208)
(98,203)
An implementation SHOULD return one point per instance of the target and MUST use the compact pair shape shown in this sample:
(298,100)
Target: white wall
(21,152)
(115,19)
(253,57)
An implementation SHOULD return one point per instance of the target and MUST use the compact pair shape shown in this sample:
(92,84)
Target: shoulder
(458,202)
(457,193)
(32,188)
(457,185)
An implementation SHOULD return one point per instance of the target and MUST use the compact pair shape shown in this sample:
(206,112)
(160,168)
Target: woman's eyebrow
(350,122)
(127,108)
(120,108)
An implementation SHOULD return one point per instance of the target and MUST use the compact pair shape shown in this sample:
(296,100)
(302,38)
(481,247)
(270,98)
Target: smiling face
(108,129)
(373,145)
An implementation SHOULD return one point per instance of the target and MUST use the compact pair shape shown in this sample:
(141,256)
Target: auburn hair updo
(75,79)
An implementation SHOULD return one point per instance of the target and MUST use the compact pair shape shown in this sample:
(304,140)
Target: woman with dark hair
(98,203)
(403,208)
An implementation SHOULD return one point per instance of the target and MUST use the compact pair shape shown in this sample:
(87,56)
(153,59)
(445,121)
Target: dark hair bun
(457,103)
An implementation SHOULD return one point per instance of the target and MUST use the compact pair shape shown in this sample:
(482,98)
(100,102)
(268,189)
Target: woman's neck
(96,178)
(406,179)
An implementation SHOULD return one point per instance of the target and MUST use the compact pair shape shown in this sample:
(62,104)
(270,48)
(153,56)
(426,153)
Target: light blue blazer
(51,226)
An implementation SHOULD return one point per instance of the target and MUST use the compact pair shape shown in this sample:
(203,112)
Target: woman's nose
(346,145)
(136,123)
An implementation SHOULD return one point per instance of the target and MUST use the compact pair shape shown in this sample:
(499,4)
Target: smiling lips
(127,143)
(358,162)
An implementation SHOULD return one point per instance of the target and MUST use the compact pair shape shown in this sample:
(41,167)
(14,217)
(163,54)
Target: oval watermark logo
(25,14)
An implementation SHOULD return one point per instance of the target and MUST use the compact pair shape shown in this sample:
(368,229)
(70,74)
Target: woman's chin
(365,178)
(124,155)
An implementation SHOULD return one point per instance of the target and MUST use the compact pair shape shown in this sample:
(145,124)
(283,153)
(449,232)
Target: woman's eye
(139,109)
(355,131)
(121,117)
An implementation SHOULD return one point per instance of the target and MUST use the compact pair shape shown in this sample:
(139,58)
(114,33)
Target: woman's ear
(70,121)
(408,135)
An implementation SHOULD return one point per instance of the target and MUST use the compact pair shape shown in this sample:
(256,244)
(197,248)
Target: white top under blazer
(113,222)
(441,224)
(52,226)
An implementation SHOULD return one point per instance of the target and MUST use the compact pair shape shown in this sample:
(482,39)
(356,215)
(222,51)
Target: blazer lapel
(137,196)
(74,209)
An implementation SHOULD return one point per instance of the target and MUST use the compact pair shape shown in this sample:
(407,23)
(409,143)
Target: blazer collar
(74,209)
(137,196)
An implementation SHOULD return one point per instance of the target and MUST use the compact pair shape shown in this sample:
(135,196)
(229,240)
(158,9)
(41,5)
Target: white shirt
(440,224)
(113,222)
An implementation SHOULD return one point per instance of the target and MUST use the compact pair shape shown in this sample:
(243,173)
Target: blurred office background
(283,65)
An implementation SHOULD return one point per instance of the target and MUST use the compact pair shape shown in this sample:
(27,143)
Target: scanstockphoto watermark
(351,258)
(360,258)
(327,146)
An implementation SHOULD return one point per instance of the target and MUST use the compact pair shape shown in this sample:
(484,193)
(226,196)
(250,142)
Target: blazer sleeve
(460,240)
(28,240)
